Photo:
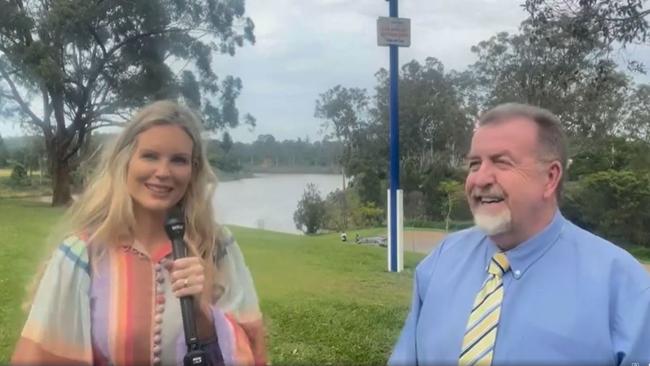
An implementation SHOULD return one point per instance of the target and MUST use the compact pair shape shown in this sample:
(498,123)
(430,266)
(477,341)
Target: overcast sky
(304,47)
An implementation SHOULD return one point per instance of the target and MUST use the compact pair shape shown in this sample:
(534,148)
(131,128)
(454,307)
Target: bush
(453,225)
(367,215)
(19,176)
(310,214)
(614,204)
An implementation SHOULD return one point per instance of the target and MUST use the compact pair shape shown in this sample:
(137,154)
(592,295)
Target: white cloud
(304,47)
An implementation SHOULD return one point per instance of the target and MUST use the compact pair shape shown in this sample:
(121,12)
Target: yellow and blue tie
(481,333)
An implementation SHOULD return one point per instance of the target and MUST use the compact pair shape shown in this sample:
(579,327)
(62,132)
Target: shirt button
(517,274)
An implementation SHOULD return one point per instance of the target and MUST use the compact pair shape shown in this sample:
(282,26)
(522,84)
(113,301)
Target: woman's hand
(188,277)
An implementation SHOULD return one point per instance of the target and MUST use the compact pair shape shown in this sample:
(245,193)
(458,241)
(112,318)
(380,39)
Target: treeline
(266,154)
(561,59)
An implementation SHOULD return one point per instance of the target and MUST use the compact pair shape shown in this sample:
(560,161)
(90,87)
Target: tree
(595,21)
(435,124)
(226,142)
(91,63)
(614,204)
(310,214)
(539,66)
(636,118)
(453,191)
(4,154)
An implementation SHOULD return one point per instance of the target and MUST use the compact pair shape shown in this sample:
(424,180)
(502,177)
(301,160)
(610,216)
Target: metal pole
(394,144)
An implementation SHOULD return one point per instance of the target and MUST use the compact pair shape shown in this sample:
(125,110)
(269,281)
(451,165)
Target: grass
(22,246)
(34,189)
(325,302)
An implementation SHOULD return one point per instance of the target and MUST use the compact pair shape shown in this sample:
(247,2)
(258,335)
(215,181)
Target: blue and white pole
(395,227)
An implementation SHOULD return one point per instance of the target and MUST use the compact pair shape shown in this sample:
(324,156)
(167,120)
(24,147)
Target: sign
(393,31)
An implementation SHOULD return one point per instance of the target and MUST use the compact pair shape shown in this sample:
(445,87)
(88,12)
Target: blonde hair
(105,209)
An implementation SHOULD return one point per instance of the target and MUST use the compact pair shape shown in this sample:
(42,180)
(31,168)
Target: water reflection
(268,200)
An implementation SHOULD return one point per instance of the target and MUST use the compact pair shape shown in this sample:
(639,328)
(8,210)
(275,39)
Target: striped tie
(481,333)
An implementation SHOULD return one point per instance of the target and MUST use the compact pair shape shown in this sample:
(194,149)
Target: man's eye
(503,162)
(473,165)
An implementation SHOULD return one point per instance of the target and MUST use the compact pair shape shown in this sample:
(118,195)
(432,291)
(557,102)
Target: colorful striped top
(122,310)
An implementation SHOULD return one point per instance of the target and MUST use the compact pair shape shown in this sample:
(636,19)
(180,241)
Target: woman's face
(160,169)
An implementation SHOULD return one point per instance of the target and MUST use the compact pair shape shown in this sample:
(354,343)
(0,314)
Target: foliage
(19,176)
(92,63)
(267,152)
(367,215)
(345,210)
(310,213)
(453,192)
(4,154)
(561,59)
(538,66)
(614,204)
(612,153)
(435,127)
(612,21)
(338,209)
(453,225)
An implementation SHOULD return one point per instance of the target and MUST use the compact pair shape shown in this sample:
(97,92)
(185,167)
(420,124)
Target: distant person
(524,286)
(109,293)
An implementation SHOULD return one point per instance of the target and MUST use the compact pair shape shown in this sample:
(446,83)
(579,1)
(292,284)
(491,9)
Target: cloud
(305,47)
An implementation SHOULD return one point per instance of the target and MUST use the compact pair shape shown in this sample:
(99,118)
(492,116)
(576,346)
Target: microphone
(175,229)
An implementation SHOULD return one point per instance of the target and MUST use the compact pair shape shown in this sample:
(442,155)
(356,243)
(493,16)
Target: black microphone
(175,229)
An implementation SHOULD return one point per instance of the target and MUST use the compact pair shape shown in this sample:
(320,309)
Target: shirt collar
(528,252)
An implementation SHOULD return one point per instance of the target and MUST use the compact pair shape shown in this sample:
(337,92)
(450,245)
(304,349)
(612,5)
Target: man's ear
(554,175)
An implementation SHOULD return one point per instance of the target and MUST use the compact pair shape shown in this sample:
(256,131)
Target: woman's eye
(180,160)
(149,156)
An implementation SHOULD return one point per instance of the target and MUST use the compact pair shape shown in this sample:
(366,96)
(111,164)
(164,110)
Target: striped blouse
(123,312)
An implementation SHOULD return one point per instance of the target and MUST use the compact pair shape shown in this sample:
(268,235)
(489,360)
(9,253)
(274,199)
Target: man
(524,286)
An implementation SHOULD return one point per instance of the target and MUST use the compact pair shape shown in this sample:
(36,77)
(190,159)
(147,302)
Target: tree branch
(93,32)
(21,102)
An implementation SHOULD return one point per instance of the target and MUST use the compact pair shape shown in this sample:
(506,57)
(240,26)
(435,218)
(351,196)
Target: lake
(268,201)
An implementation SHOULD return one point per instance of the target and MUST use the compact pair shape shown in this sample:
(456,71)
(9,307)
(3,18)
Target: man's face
(507,184)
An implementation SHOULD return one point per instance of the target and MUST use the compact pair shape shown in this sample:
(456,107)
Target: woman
(109,294)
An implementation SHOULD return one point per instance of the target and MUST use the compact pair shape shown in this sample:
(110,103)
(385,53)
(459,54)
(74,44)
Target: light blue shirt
(571,298)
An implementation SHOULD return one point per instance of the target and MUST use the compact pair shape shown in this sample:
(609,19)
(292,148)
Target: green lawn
(326,302)
(23,229)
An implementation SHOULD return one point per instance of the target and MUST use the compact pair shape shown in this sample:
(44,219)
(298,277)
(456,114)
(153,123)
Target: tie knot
(499,264)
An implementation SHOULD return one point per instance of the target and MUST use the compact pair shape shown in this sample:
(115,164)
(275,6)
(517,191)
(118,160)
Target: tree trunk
(61,181)
(448,218)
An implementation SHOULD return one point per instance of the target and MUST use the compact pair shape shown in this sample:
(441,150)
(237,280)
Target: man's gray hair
(551,137)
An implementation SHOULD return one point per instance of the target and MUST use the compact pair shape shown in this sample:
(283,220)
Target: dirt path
(422,241)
